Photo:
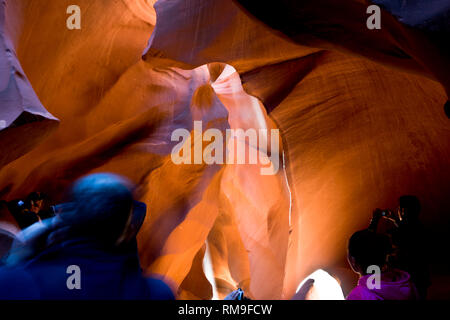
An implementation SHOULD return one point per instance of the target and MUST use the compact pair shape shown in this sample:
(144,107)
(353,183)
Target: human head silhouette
(409,207)
(101,206)
(367,248)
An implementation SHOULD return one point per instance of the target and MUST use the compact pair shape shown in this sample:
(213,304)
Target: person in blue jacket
(87,252)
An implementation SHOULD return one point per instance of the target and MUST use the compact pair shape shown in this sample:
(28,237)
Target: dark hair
(35,196)
(369,248)
(101,205)
(411,204)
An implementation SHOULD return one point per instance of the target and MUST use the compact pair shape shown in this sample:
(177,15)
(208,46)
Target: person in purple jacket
(367,255)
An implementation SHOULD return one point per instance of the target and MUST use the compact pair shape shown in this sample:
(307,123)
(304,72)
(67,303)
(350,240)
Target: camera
(386,212)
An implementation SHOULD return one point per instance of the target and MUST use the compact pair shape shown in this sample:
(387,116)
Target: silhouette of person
(91,244)
(409,241)
(367,254)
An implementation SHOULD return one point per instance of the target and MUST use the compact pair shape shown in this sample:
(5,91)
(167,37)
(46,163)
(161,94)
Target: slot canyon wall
(360,115)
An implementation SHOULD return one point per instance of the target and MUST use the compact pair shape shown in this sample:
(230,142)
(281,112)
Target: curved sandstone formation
(358,128)
(24,121)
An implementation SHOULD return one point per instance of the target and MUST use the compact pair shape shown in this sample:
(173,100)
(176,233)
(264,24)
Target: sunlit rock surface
(356,132)
(24,122)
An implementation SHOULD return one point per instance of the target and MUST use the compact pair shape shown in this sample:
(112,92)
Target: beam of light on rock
(209,272)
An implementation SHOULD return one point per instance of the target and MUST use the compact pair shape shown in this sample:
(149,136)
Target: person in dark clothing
(21,212)
(409,241)
(366,250)
(89,251)
(31,210)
